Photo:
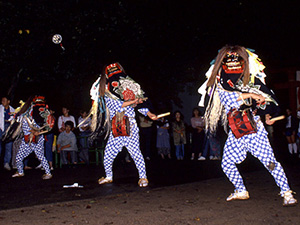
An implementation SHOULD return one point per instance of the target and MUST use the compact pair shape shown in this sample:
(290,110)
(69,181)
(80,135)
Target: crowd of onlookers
(60,139)
(167,138)
(175,138)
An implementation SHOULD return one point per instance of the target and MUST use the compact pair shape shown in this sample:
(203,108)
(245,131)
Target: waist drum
(120,125)
(241,122)
(33,139)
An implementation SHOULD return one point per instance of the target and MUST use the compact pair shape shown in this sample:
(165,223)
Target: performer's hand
(140,100)
(58,147)
(259,99)
(268,121)
(133,103)
(199,129)
(152,116)
(35,132)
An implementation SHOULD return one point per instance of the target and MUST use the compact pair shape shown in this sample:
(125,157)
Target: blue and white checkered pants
(114,146)
(132,142)
(235,151)
(26,149)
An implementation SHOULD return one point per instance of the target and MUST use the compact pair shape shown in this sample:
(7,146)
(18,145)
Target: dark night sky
(161,44)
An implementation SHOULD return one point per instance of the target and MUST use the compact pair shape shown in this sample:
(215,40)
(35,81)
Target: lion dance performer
(237,92)
(115,95)
(33,119)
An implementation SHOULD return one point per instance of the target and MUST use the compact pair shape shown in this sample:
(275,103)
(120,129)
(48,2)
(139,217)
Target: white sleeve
(143,111)
(59,123)
(73,120)
(94,92)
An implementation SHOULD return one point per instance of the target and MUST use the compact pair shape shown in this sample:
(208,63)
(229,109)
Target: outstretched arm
(268,119)
(151,115)
(258,98)
(132,102)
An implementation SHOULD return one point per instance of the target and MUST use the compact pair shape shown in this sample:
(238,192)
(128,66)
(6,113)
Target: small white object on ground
(75,185)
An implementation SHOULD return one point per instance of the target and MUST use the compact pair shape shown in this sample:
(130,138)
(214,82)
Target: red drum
(33,140)
(120,125)
(241,122)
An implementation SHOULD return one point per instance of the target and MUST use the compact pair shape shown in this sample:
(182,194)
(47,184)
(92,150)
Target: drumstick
(163,115)
(277,118)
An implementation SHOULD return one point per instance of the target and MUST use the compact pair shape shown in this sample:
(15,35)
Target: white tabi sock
(290,148)
(295,148)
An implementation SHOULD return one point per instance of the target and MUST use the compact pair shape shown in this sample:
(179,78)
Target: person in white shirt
(5,115)
(64,118)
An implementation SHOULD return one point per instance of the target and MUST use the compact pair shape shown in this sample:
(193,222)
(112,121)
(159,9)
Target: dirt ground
(179,192)
(203,202)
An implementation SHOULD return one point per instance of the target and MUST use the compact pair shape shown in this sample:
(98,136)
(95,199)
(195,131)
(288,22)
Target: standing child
(198,134)
(163,138)
(290,131)
(85,132)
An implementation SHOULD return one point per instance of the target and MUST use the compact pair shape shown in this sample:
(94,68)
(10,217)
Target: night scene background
(166,46)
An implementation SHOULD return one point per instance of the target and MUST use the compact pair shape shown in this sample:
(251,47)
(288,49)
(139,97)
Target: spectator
(64,118)
(5,116)
(84,132)
(179,136)
(66,143)
(145,135)
(197,122)
(163,138)
(49,144)
(212,145)
(49,138)
(290,131)
(270,130)
(15,149)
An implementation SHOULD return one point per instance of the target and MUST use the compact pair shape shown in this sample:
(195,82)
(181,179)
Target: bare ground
(200,202)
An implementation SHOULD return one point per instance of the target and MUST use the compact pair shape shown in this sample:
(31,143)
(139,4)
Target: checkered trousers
(115,144)
(235,150)
(26,149)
